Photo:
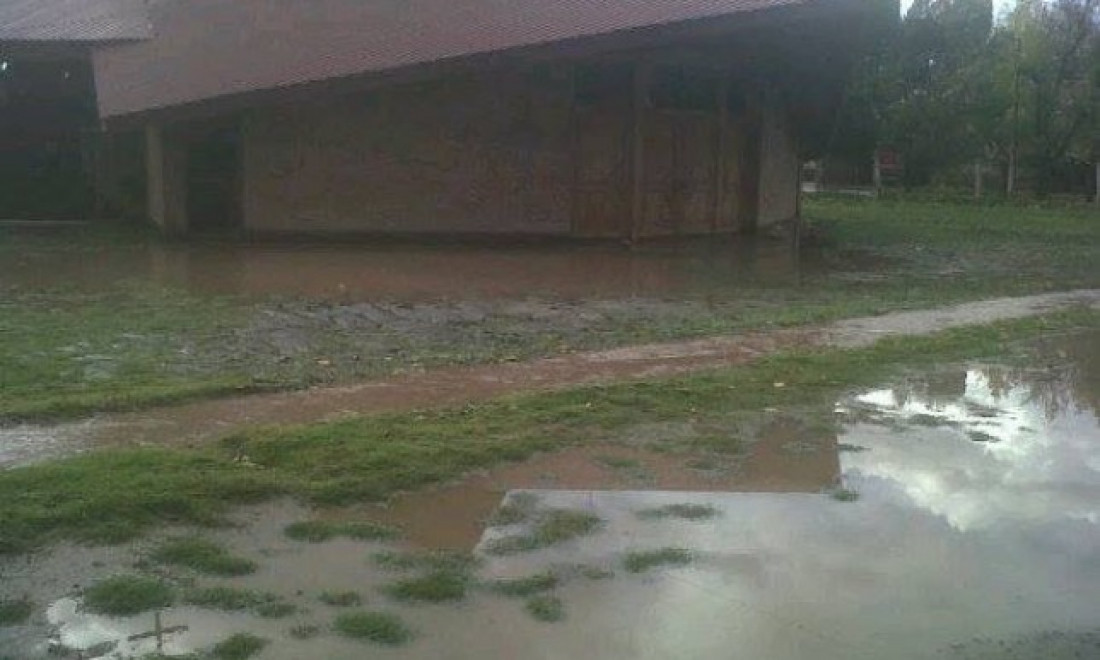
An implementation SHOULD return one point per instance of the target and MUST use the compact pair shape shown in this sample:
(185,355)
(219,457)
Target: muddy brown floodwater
(418,272)
(954,515)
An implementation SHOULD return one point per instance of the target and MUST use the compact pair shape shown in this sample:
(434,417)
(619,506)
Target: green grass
(427,561)
(551,527)
(319,531)
(240,646)
(982,436)
(116,495)
(15,611)
(618,462)
(202,556)
(525,586)
(844,495)
(127,595)
(341,598)
(434,587)
(644,560)
(275,609)
(305,631)
(683,511)
(232,599)
(546,608)
(379,627)
(68,352)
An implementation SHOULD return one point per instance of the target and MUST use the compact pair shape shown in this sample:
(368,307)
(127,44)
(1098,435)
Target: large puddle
(415,272)
(955,515)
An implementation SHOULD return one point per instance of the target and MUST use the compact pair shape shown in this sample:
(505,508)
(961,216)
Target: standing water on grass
(956,514)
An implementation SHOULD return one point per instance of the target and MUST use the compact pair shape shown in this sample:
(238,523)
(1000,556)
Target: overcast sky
(999,5)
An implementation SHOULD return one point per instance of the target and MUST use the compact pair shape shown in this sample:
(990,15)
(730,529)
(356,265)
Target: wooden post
(723,93)
(166,179)
(637,149)
(574,154)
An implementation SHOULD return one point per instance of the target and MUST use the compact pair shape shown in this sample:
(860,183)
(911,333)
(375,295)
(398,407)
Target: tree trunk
(977,181)
(1010,176)
(876,175)
(1096,197)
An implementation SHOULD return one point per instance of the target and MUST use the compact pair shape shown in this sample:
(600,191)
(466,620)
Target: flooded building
(582,118)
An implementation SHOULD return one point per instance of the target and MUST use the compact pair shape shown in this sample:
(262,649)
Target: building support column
(722,108)
(752,159)
(166,180)
(639,104)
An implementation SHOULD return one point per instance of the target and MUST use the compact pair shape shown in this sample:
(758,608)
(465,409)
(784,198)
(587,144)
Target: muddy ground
(196,423)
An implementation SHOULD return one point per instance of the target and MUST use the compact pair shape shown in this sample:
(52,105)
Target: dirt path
(201,421)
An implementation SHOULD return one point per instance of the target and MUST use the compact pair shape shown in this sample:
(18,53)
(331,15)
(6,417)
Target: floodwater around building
(407,272)
(955,514)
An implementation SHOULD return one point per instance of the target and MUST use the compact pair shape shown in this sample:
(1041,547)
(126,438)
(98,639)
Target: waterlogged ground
(104,319)
(194,423)
(951,514)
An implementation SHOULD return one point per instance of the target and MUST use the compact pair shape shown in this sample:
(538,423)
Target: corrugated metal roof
(209,48)
(73,20)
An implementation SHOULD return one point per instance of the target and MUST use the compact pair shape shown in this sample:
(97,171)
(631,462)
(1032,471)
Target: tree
(1057,52)
(953,88)
(933,105)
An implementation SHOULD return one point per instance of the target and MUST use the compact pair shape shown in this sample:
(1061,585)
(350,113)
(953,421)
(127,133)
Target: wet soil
(952,544)
(451,386)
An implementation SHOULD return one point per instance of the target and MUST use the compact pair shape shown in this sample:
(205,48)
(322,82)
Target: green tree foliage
(952,85)
(1058,59)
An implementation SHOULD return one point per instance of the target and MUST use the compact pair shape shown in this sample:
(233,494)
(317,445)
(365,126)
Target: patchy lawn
(115,495)
(129,342)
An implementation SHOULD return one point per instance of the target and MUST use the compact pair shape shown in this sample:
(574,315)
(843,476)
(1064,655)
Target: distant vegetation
(954,88)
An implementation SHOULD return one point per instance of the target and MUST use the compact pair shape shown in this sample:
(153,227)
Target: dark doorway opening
(214,181)
(47,130)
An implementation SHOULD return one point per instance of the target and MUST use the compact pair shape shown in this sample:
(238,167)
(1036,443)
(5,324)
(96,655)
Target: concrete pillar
(638,107)
(166,179)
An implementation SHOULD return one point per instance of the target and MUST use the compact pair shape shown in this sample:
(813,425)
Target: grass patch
(617,462)
(525,586)
(546,608)
(305,631)
(645,560)
(116,495)
(435,587)
(275,609)
(16,611)
(231,599)
(341,598)
(844,495)
(683,511)
(319,531)
(240,646)
(202,556)
(127,595)
(430,561)
(596,573)
(379,627)
(982,436)
(552,527)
